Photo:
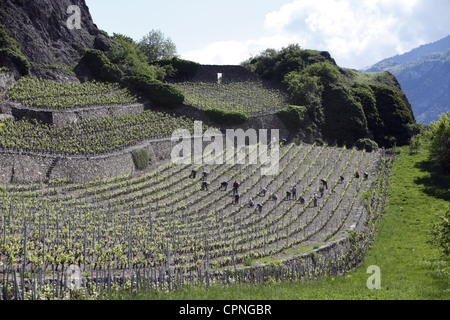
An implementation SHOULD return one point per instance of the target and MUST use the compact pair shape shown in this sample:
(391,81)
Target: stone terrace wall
(33,167)
(230,73)
(61,118)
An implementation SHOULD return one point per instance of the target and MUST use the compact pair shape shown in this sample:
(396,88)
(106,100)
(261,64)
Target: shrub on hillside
(293,117)
(440,141)
(344,117)
(226,117)
(394,114)
(182,69)
(366,144)
(141,158)
(161,93)
(100,66)
(10,49)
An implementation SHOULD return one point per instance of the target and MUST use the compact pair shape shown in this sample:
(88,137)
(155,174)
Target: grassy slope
(410,267)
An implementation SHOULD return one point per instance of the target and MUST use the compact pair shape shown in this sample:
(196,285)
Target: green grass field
(410,267)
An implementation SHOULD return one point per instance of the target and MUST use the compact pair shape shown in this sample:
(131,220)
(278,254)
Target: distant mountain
(424,74)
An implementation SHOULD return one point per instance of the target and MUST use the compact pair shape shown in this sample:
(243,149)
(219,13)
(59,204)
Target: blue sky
(357,33)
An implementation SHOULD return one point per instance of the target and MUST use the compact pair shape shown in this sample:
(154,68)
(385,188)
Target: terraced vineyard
(50,95)
(162,230)
(250,98)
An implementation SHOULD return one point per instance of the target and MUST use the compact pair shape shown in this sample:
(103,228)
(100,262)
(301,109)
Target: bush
(10,49)
(100,66)
(292,116)
(161,93)
(440,142)
(18,59)
(226,117)
(366,144)
(183,69)
(141,158)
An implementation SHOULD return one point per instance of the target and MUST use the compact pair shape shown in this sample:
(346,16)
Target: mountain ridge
(424,74)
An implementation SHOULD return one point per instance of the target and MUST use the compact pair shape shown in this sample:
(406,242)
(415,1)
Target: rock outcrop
(47,33)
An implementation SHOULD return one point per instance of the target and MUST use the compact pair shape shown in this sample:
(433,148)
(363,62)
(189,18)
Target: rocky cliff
(51,34)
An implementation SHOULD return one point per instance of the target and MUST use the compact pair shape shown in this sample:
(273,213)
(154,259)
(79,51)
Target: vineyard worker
(224,185)
(236,198)
(193,173)
(275,197)
(357,175)
(341,179)
(204,175)
(263,192)
(260,207)
(251,203)
(324,183)
(366,175)
(204,185)
(321,191)
(235,187)
(302,200)
(315,199)
(288,195)
(294,193)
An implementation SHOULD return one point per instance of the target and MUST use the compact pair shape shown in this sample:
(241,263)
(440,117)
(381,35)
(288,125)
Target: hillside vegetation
(345,105)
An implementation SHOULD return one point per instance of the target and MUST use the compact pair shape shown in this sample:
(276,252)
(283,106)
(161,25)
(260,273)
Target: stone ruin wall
(230,73)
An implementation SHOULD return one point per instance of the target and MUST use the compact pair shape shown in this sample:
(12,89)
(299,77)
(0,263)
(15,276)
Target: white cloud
(357,33)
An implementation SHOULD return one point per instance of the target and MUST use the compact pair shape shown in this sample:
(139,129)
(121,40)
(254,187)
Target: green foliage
(273,65)
(161,93)
(303,88)
(100,66)
(344,117)
(293,117)
(226,117)
(441,232)
(10,49)
(178,68)
(325,71)
(141,158)
(440,141)
(364,94)
(21,62)
(394,115)
(156,46)
(366,144)
(127,55)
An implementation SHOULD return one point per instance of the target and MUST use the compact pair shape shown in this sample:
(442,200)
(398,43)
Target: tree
(155,46)
(440,141)
(441,232)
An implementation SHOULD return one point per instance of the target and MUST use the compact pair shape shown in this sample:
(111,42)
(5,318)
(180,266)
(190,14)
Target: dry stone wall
(61,118)
(230,73)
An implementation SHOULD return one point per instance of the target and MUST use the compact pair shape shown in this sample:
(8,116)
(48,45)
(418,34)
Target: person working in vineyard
(204,185)
(193,173)
(236,198)
(294,193)
(324,183)
(251,203)
(275,197)
(235,187)
(341,178)
(224,186)
(260,206)
(288,195)
(315,199)
(357,175)
(204,175)
(263,192)
(321,190)
(302,200)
